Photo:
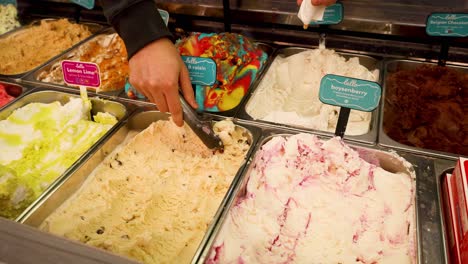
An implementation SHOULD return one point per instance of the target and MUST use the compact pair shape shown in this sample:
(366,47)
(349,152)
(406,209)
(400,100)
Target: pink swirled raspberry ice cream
(314,201)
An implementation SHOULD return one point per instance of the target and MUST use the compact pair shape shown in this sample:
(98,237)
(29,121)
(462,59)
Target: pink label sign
(81,73)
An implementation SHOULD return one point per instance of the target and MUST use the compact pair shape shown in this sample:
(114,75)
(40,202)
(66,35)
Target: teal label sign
(89,4)
(350,92)
(6,2)
(133,93)
(447,24)
(202,70)
(333,15)
(164,15)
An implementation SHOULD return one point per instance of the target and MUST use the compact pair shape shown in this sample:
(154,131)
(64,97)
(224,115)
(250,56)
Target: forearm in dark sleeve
(137,21)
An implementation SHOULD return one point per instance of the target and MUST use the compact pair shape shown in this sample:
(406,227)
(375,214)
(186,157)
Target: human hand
(319,2)
(157,71)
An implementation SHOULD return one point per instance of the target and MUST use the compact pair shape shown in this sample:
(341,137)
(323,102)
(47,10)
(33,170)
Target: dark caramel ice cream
(427,107)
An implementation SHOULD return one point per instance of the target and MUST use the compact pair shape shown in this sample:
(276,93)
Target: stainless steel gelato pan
(368,62)
(422,108)
(41,153)
(69,188)
(429,244)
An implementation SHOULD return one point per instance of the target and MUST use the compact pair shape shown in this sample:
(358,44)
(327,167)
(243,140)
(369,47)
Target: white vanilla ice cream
(288,93)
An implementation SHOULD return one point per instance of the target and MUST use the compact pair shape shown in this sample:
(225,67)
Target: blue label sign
(133,93)
(349,92)
(164,15)
(202,70)
(6,2)
(447,24)
(333,15)
(89,4)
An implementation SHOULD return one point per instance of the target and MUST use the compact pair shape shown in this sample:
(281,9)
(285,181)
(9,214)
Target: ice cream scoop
(201,128)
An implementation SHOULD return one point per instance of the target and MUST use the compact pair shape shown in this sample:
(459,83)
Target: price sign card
(202,70)
(6,2)
(81,73)
(164,15)
(447,25)
(333,15)
(89,4)
(349,92)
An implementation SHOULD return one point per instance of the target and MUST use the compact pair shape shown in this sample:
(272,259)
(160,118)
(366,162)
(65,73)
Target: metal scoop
(203,129)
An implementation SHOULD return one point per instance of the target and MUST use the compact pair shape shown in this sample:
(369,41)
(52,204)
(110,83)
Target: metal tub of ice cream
(285,236)
(9,91)
(53,133)
(156,213)
(423,108)
(106,49)
(20,56)
(287,93)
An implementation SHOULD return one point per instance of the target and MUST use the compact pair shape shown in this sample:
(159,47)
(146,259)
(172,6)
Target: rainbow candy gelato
(238,62)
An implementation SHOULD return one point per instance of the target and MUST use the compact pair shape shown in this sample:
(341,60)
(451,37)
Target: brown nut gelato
(27,49)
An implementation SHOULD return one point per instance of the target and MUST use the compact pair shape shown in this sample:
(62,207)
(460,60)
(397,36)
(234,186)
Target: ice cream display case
(389,165)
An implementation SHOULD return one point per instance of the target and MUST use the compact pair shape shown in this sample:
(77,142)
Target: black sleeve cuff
(139,25)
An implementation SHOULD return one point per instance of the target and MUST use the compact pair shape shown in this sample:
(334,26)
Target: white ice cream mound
(288,93)
(314,201)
